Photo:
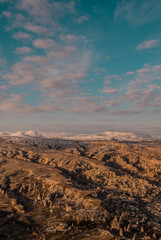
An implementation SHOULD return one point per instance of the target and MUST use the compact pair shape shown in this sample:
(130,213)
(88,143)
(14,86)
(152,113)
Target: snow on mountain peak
(33,133)
(107,135)
(18,134)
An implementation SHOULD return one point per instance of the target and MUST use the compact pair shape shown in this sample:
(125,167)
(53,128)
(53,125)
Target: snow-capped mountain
(3,134)
(108,135)
(33,133)
(17,134)
(122,136)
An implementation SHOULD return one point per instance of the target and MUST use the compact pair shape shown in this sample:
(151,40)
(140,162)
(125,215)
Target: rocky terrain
(80,190)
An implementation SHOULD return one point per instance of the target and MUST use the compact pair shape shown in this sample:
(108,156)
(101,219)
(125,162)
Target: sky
(80,66)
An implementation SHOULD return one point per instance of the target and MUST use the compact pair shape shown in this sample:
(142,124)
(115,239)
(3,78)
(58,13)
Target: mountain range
(108,135)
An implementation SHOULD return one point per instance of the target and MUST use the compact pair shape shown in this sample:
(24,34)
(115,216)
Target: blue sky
(80,66)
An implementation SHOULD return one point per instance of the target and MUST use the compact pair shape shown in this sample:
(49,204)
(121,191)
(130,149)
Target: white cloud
(35,8)
(109,90)
(156,68)
(148,44)
(22,35)
(85,105)
(143,71)
(82,19)
(23,50)
(63,82)
(18,21)
(130,73)
(145,75)
(42,11)
(111,103)
(107,82)
(78,105)
(38,29)
(61,53)
(45,43)
(40,60)
(145,96)
(70,38)
(14,103)
(22,74)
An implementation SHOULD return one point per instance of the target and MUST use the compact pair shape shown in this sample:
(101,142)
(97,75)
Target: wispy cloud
(156,68)
(138,12)
(130,73)
(109,90)
(148,44)
(38,29)
(22,36)
(7,14)
(71,38)
(82,19)
(126,112)
(108,78)
(43,10)
(2,1)
(37,59)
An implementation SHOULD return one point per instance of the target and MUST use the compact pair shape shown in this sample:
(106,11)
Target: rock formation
(80,190)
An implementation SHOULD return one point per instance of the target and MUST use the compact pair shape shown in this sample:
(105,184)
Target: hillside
(80,190)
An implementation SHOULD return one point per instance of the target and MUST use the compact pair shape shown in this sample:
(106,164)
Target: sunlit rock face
(68,189)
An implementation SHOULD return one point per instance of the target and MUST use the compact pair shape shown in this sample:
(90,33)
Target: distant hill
(108,135)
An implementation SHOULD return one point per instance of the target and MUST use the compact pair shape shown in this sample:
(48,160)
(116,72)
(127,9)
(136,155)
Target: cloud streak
(22,36)
(138,12)
(148,44)
(109,90)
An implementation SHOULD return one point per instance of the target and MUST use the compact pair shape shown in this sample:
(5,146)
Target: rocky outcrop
(82,190)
